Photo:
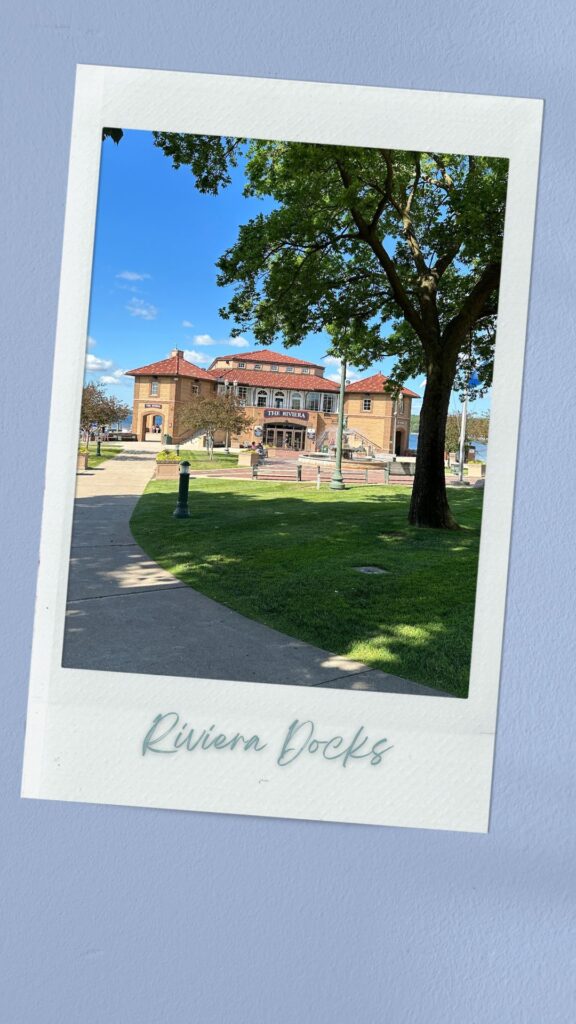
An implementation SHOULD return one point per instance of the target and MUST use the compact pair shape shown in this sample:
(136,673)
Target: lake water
(481,449)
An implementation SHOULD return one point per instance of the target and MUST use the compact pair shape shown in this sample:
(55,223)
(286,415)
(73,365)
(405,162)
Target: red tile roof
(374,384)
(269,379)
(174,366)
(266,356)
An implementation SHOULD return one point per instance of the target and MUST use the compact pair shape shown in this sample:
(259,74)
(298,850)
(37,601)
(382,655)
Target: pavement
(127,614)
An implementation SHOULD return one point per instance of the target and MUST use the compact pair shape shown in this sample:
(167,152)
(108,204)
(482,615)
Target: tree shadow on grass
(289,558)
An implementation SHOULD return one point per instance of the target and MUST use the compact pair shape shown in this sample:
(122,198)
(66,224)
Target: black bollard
(98,448)
(181,510)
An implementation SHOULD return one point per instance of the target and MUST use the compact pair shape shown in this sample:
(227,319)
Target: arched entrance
(152,427)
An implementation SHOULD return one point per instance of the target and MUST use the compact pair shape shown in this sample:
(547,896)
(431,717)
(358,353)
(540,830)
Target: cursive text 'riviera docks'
(171,734)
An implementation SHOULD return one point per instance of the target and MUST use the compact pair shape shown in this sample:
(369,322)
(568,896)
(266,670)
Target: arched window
(296,401)
(278,399)
(261,399)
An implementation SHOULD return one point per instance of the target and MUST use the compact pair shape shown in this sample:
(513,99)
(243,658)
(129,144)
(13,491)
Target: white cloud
(331,360)
(116,379)
(187,323)
(132,275)
(93,363)
(204,339)
(207,339)
(145,310)
(422,384)
(194,357)
(91,342)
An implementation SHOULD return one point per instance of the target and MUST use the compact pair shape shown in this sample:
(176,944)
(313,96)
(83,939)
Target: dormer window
(289,369)
(241,366)
(305,369)
(273,366)
(257,366)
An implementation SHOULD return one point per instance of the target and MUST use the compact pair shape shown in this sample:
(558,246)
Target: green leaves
(395,243)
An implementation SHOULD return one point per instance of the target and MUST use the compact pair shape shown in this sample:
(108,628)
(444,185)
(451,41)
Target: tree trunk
(429,505)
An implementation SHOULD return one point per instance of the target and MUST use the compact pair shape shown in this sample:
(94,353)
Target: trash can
(167,439)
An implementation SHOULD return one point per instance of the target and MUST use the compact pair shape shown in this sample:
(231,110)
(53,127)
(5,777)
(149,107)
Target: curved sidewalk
(127,614)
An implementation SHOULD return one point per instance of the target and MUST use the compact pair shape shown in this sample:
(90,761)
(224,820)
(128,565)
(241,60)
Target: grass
(199,460)
(107,451)
(285,555)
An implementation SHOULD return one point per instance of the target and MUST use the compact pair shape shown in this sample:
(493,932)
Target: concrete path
(127,614)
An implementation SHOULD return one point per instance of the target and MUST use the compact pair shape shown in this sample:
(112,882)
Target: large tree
(398,252)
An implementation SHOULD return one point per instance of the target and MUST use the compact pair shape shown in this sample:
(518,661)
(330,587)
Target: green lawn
(199,460)
(107,451)
(284,554)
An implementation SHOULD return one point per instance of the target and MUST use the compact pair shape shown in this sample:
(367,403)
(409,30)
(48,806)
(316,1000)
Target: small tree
(213,413)
(94,408)
(452,439)
(119,411)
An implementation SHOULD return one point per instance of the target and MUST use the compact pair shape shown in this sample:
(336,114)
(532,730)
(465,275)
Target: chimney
(177,352)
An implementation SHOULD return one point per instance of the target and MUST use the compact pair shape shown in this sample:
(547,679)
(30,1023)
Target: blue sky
(154,276)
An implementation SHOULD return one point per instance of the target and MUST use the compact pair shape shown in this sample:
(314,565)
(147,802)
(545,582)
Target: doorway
(285,436)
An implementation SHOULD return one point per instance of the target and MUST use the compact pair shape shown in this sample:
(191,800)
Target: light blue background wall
(126,915)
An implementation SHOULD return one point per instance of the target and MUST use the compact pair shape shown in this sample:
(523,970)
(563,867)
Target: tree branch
(472,309)
(368,234)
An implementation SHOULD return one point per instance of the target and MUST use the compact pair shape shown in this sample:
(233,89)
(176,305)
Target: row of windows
(273,367)
(312,400)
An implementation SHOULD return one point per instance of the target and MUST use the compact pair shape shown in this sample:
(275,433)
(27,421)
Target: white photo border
(85,728)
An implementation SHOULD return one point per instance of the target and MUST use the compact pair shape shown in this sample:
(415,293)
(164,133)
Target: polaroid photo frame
(293,751)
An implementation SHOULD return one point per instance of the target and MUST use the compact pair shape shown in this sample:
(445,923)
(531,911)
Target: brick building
(292,405)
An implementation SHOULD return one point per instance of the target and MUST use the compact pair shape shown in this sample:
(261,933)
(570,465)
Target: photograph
(283,438)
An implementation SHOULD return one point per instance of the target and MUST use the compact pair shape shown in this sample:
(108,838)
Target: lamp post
(181,511)
(462,447)
(337,483)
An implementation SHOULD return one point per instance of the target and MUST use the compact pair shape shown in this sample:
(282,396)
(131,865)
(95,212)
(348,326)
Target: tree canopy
(398,253)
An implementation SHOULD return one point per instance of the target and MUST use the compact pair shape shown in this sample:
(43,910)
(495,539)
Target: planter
(248,458)
(82,462)
(476,470)
(168,470)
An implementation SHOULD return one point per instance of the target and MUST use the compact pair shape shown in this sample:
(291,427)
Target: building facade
(289,401)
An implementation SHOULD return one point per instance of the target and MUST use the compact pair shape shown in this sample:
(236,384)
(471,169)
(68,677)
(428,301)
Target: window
(313,402)
(289,369)
(400,402)
(327,403)
(261,399)
(305,369)
(273,366)
(296,402)
(154,387)
(242,393)
(257,366)
(367,405)
(242,366)
(279,400)
(195,389)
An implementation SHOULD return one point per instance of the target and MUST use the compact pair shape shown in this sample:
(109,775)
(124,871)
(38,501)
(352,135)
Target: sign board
(286,414)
